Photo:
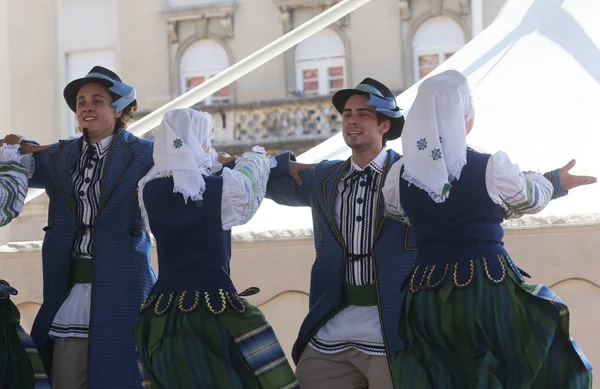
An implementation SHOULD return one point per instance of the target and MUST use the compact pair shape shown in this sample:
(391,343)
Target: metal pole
(239,69)
(477,16)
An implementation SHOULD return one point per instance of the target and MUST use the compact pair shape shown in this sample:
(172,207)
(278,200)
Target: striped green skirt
(20,365)
(466,326)
(198,342)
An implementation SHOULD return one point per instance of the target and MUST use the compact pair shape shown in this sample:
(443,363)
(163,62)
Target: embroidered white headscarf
(182,149)
(434,140)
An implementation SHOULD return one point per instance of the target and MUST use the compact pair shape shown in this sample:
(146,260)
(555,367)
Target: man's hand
(11,139)
(569,181)
(296,168)
(27,148)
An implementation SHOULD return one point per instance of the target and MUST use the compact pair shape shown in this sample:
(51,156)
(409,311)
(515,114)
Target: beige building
(165,47)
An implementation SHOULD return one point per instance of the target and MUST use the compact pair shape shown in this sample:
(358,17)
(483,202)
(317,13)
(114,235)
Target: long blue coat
(123,275)
(394,252)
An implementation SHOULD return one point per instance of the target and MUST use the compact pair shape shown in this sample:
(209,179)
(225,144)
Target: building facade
(166,47)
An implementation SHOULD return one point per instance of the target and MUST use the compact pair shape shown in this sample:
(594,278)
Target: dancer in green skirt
(20,364)
(195,330)
(468,319)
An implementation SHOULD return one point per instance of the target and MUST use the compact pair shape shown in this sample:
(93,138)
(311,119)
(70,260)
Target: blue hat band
(126,92)
(369,89)
(387,106)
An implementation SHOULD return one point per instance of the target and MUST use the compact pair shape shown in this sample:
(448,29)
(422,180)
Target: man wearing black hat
(350,334)
(96,253)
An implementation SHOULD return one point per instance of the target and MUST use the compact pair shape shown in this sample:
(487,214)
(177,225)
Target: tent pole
(476,17)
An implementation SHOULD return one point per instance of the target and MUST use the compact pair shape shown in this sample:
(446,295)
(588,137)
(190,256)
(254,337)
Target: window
(435,41)
(201,61)
(320,64)
(78,65)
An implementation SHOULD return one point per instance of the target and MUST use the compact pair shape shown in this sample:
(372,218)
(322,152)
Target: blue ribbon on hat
(386,106)
(369,89)
(126,92)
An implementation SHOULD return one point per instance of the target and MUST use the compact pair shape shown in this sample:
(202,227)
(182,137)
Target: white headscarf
(182,149)
(434,136)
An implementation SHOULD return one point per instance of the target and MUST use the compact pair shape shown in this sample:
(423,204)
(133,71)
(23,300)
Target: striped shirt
(15,170)
(86,184)
(356,327)
(358,216)
(73,317)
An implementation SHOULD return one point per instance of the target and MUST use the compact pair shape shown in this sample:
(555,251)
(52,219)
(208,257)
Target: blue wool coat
(394,250)
(122,275)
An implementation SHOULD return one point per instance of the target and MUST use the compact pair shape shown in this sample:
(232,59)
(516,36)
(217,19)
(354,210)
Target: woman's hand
(225,159)
(569,181)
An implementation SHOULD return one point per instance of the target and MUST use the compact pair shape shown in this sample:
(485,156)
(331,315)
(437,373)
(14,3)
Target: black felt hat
(380,96)
(103,76)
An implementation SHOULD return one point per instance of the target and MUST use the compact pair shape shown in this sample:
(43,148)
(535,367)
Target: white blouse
(506,185)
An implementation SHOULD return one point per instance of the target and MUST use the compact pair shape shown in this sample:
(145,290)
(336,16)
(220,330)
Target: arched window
(320,64)
(436,40)
(201,61)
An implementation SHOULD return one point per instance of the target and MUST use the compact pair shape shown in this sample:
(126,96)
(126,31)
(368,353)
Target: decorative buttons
(88,180)
(81,193)
(359,218)
(359,200)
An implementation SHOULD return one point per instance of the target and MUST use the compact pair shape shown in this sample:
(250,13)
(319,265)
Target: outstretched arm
(244,188)
(517,192)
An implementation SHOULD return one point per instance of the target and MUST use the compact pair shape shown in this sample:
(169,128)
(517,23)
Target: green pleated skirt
(485,332)
(208,345)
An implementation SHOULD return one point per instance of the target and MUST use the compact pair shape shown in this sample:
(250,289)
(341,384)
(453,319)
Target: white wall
(4,71)
(82,26)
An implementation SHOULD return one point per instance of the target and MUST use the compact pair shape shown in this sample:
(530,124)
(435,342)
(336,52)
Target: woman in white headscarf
(195,330)
(469,320)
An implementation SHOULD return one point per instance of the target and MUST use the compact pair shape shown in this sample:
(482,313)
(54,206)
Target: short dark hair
(380,119)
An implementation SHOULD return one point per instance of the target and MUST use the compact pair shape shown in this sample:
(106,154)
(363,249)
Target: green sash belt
(363,295)
(83,269)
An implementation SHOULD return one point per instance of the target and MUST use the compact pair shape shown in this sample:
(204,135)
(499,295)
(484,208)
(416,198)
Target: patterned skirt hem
(511,335)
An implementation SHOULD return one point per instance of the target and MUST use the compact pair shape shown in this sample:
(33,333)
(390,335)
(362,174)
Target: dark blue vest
(193,250)
(466,226)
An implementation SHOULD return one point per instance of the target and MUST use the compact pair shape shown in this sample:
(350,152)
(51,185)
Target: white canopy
(535,76)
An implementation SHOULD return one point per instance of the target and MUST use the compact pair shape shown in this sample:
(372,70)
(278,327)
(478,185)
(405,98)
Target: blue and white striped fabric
(13,190)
